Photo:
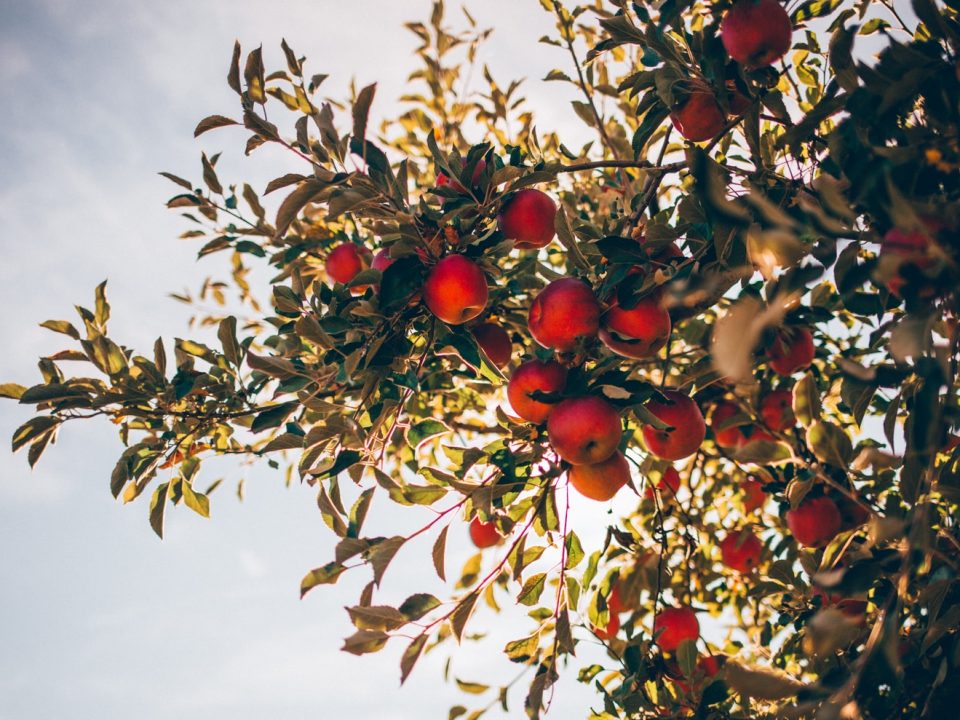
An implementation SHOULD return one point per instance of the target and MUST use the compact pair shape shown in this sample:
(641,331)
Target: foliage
(780,219)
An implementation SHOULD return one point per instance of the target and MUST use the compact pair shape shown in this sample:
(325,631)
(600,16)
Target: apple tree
(737,306)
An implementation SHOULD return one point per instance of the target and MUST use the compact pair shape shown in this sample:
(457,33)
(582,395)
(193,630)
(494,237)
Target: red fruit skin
(548,377)
(564,311)
(738,102)
(754,496)
(910,248)
(687,428)
(668,485)
(584,430)
(614,602)
(791,351)
(382,260)
(495,342)
(639,332)
(601,481)
(851,607)
(611,630)
(456,290)
(726,437)
(700,117)
(815,522)
(740,551)
(852,515)
(484,534)
(478,169)
(756,33)
(665,254)
(677,625)
(707,667)
(776,409)
(345,261)
(527,219)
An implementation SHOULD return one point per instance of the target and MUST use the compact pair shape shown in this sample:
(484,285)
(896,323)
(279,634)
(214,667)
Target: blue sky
(98,618)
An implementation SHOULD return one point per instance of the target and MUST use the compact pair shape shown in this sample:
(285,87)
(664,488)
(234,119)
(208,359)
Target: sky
(98,617)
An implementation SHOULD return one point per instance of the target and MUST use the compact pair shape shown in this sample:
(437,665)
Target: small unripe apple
(700,116)
(726,436)
(756,33)
(456,290)
(686,429)
(610,631)
(345,261)
(674,625)
(495,342)
(792,350)
(527,219)
(740,551)
(815,522)
(776,409)
(564,312)
(639,332)
(584,430)
(602,480)
(484,534)
(547,377)
(478,169)
(668,485)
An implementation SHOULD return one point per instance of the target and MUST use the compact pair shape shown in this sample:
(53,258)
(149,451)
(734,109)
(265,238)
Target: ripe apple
(851,607)
(740,551)
(639,332)
(668,485)
(756,33)
(547,377)
(792,350)
(527,219)
(484,534)
(345,261)
(674,625)
(602,480)
(726,437)
(686,429)
(662,254)
(382,260)
(456,290)
(754,496)
(815,522)
(584,430)
(495,342)
(852,514)
(699,117)
(776,409)
(615,602)
(900,249)
(707,667)
(478,169)
(610,631)
(565,311)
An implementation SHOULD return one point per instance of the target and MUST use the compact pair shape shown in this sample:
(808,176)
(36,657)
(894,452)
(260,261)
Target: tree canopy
(737,304)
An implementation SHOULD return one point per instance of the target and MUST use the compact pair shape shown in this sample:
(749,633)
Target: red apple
(674,625)
(741,550)
(663,254)
(382,260)
(754,496)
(776,409)
(478,169)
(668,485)
(584,430)
(815,522)
(610,631)
(851,607)
(792,350)
(852,514)
(484,534)
(726,436)
(456,290)
(908,248)
(602,480)
(699,116)
(614,602)
(547,377)
(756,33)
(495,342)
(345,261)
(564,312)
(639,332)
(707,667)
(527,219)
(686,429)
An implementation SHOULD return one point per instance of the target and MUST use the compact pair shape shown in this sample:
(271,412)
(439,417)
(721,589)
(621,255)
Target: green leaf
(439,548)
(410,656)
(830,444)
(381,554)
(326,575)
(212,121)
(520,651)
(424,431)
(361,109)
(806,400)
(51,392)
(274,417)
(158,504)
(12,390)
(532,589)
(61,326)
(196,501)
(227,334)
(418,605)
(365,641)
(102,313)
(687,657)
(32,429)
